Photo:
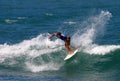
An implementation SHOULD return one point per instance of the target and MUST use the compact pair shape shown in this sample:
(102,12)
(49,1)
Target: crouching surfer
(66,39)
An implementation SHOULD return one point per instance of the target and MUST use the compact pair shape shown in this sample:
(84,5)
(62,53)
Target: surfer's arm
(52,35)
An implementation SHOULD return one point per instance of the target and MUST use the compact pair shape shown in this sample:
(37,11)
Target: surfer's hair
(59,33)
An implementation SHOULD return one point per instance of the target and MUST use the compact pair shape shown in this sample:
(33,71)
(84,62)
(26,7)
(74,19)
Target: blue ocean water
(26,54)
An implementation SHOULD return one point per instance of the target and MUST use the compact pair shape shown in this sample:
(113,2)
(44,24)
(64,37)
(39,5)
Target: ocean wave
(70,22)
(49,14)
(13,20)
(41,54)
(10,21)
(21,17)
(93,26)
(32,49)
(45,67)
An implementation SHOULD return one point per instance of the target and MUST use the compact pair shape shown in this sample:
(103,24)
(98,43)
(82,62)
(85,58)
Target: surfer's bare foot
(71,52)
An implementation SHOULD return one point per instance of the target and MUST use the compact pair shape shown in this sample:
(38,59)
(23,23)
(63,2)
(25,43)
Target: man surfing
(65,39)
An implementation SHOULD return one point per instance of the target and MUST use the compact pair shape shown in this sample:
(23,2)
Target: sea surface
(26,54)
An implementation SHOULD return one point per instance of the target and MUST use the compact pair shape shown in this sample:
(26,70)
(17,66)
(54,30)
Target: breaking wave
(40,54)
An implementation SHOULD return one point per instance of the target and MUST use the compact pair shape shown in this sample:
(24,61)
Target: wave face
(34,54)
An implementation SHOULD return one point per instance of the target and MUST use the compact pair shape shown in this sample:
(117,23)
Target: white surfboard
(70,55)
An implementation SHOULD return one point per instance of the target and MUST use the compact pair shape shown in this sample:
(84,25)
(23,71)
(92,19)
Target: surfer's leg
(67,46)
(69,49)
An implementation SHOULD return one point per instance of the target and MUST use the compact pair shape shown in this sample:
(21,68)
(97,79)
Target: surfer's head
(58,34)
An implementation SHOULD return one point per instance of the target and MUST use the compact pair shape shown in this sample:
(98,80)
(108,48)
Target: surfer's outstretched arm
(52,35)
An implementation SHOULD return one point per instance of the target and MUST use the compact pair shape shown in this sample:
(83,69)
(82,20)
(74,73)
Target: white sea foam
(10,21)
(103,49)
(21,17)
(93,27)
(49,14)
(30,48)
(38,44)
(45,67)
(70,22)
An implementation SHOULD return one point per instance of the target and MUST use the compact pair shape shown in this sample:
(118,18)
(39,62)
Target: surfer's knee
(67,47)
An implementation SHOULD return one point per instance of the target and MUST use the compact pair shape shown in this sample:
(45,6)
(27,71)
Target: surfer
(65,39)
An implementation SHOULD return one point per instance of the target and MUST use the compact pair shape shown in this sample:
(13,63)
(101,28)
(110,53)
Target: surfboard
(71,55)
